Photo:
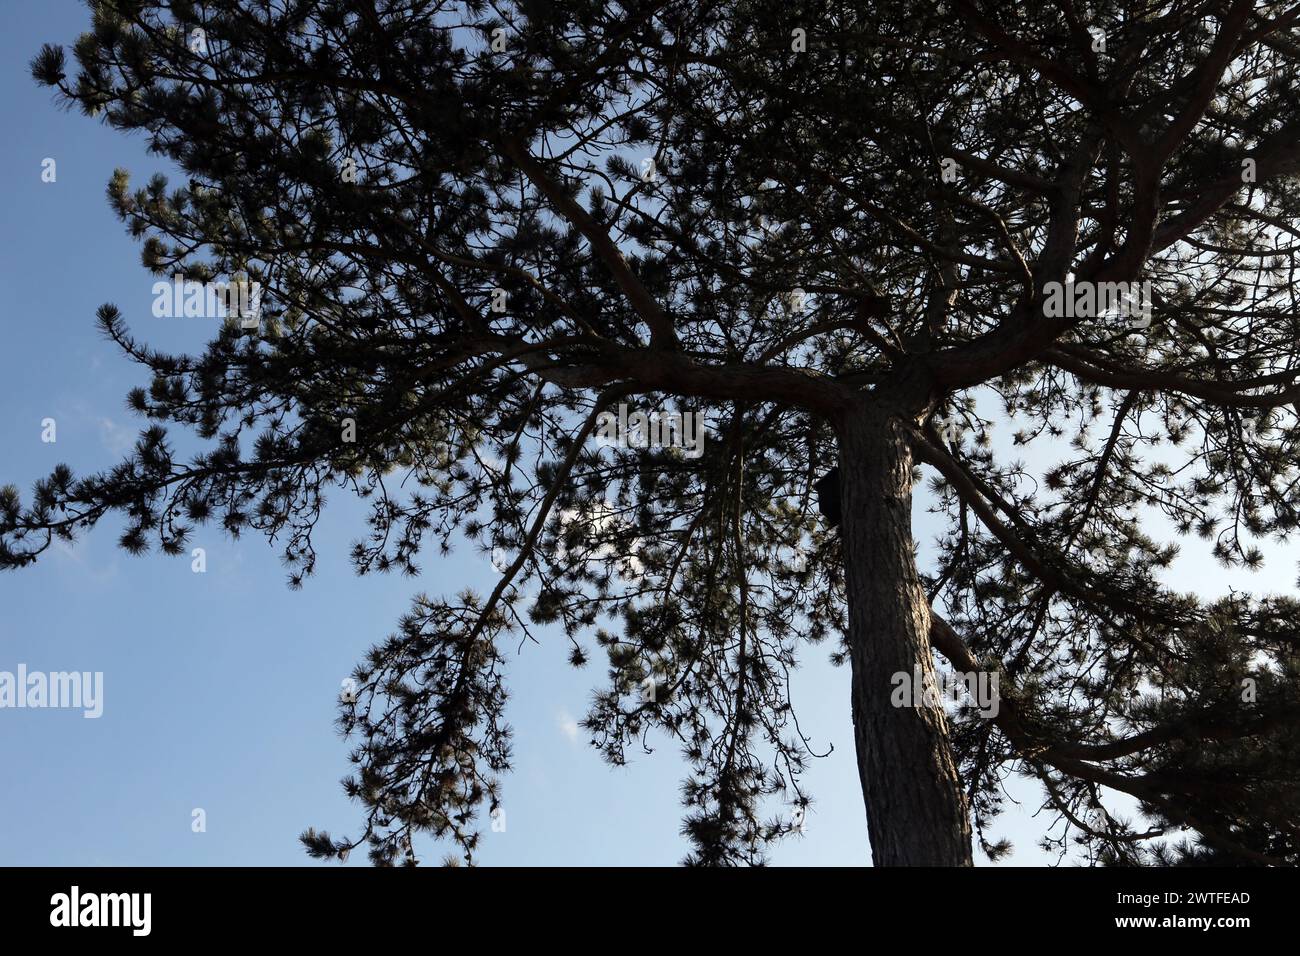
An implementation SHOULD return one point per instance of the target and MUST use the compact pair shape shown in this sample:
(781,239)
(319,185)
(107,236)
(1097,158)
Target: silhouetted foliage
(477,227)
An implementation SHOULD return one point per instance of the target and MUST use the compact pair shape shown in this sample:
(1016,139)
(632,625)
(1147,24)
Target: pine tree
(848,235)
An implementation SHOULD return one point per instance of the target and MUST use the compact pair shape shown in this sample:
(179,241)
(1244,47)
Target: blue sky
(220,688)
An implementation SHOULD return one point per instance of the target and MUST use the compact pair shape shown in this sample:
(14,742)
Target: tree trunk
(916,807)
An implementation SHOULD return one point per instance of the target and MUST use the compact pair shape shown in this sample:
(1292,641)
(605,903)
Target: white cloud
(568,726)
(116,439)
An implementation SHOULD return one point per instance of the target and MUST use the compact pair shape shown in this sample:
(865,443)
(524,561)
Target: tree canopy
(479,227)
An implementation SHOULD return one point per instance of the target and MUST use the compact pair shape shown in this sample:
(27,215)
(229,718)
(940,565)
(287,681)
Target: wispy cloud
(568,726)
(116,438)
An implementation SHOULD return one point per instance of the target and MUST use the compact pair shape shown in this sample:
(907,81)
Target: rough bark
(916,807)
